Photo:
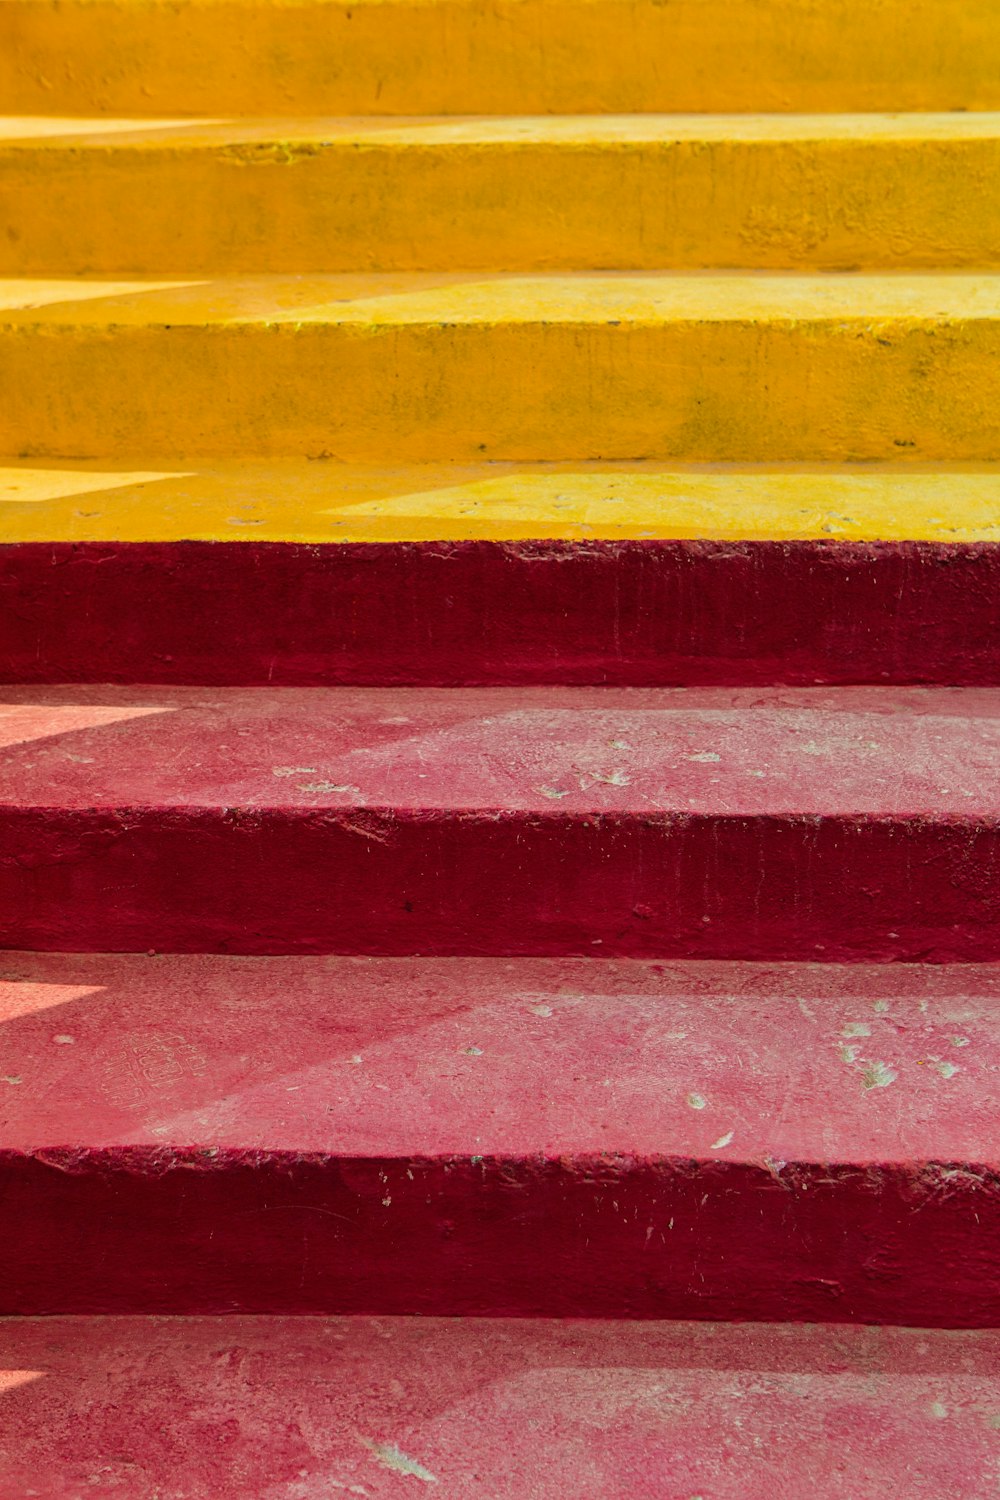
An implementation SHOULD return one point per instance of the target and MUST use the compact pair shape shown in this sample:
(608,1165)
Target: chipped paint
(878,1075)
(392,1457)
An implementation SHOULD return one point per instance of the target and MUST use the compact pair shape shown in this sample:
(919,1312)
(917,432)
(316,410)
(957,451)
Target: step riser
(315,205)
(134,1231)
(834,389)
(630,613)
(599,884)
(502,58)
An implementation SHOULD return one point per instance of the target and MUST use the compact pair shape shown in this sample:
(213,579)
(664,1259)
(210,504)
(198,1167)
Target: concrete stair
(534,193)
(499,810)
(777,824)
(451,367)
(534,1137)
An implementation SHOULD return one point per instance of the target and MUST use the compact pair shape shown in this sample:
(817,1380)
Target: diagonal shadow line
(305,1403)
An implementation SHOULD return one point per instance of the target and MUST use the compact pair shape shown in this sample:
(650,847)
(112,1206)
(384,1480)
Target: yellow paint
(496,56)
(640,192)
(419,368)
(328,502)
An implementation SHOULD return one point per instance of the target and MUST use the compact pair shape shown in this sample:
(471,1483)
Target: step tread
(456,299)
(303,501)
(557,752)
(538,1059)
(519,1409)
(42,133)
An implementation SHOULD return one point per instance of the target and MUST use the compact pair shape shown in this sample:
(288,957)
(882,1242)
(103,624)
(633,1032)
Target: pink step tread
(759,823)
(292,1409)
(541,1136)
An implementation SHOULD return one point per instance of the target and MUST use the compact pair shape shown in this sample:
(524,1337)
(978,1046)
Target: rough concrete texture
(622,192)
(317,1409)
(465,366)
(836,823)
(505,56)
(571,1137)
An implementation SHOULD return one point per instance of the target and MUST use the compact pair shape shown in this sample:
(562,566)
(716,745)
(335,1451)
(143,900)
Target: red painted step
(463,612)
(480,1136)
(841,823)
(292,1409)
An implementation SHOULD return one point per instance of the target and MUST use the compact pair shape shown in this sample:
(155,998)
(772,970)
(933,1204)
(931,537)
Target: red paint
(836,824)
(291,1409)
(475,1136)
(634,612)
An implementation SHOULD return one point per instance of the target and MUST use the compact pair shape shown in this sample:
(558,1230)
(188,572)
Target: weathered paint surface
(540,1136)
(303,501)
(466,367)
(620,573)
(641,613)
(622,192)
(508,56)
(782,823)
(386,1407)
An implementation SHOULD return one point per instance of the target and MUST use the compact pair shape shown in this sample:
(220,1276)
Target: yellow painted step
(303,501)
(496,56)
(634,192)
(686,366)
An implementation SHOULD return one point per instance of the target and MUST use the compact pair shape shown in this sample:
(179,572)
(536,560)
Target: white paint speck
(541,1010)
(704,757)
(723,1141)
(946,1069)
(294,770)
(856,1028)
(697,1101)
(877,1075)
(64,1041)
(938,1409)
(399,1462)
(959,1041)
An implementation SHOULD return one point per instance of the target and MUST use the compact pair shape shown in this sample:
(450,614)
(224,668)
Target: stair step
(517,1409)
(686,365)
(639,192)
(455,1136)
(836,823)
(320,573)
(497,56)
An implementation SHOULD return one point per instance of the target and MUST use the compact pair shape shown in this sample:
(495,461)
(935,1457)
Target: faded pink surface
(310,1409)
(851,823)
(737,751)
(196,1134)
(438,1057)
